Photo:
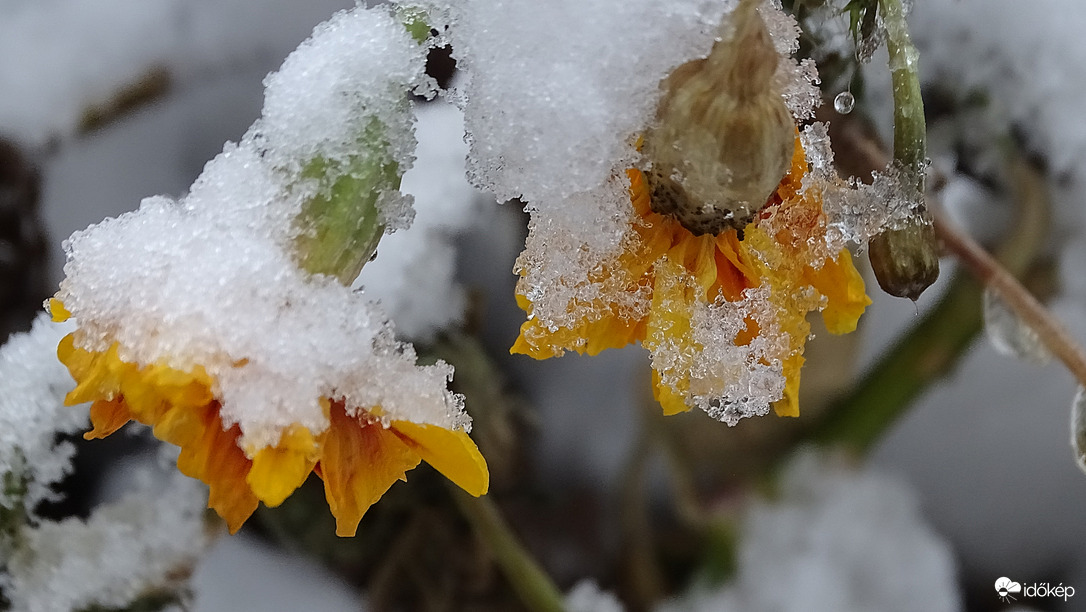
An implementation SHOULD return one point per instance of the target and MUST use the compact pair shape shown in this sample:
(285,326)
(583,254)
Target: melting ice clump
(1009,334)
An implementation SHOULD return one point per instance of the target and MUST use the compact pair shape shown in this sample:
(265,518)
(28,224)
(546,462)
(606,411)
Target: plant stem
(910,131)
(530,582)
(996,278)
(905,259)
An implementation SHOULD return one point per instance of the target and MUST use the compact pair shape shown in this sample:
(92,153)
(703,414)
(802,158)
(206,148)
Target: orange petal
(730,280)
(359,462)
(728,246)
(450,452)
(107,416)
(278,470)
(639,192)
(212,455)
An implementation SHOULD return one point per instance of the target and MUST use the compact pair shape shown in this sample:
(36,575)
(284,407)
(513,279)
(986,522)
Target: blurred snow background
(986,450)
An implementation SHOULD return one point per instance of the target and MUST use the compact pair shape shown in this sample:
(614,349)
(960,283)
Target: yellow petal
(843,287)
(58,311)
(671,401)
(278,470)
(180,388)
(450,452)
(359,462)
(788,406)
(86,368)
(608,331)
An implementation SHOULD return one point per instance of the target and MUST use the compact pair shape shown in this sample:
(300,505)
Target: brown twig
(986,268)
(996,278)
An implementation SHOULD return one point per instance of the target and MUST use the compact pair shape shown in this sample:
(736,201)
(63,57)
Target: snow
(32,412)
(146,542)
(835,539)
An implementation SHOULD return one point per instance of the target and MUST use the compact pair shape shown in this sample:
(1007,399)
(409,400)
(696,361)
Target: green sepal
(340,226)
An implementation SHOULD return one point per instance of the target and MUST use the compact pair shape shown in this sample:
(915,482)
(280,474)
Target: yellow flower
(359,456)
(782,262)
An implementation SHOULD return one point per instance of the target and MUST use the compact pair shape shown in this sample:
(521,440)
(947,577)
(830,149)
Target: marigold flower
(724,318)
(224,319)
(359,455)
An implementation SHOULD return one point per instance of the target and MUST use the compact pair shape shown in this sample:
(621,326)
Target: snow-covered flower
(359,456)
(225,320)
(775,264)
(720,302)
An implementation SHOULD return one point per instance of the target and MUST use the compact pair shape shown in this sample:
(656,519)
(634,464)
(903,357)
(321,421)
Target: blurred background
(105,102)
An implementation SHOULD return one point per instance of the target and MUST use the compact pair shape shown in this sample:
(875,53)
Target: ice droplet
(1009,334)
(1078,427)
(844,102)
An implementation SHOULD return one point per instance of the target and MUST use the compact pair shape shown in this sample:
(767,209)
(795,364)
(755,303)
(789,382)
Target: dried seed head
(723,138)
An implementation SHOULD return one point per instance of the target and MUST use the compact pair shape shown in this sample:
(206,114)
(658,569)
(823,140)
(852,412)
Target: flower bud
(905,260)
(723,137)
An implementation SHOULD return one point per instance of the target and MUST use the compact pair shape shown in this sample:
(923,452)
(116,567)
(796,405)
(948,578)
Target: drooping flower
(724,318)
(225,320)
(359,455)
(715,246)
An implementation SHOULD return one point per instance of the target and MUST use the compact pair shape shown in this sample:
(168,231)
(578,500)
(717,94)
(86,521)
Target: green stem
(905,259)
(910,131)
(13,519)
(642,571)
(927,352)
(527,578)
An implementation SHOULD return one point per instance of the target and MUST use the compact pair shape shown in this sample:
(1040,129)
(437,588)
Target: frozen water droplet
(844,102)
(1009,334)
(1078,427)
